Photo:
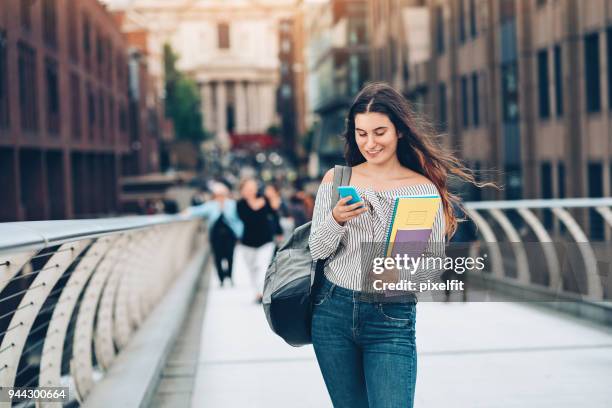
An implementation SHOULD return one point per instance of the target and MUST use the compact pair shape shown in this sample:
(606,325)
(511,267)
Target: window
(543,90)
(442,106)
(595,180)
(28,98)
(591,72)
(223,35)
(472,11)
(461,20)
(439,29)
(53,100)
(4,98)
(102,116)
(100,53)
(558,80)
(123,119)
(91,111)
(546,189)
(475,101)
(609,64)
(510,112)
(87,40)
(111,117)
(109,60)
(465,102)
(75,103)
(561,180)
(50,22)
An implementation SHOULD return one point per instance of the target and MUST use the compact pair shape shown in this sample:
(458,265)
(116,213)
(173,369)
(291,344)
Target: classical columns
(207,106)
(221,105)
(241,107)
(254,108)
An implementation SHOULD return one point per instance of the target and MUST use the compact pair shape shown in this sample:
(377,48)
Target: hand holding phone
(344,210)
(349,191)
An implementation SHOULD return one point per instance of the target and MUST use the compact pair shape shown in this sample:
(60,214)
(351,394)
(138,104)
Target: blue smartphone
(350,191)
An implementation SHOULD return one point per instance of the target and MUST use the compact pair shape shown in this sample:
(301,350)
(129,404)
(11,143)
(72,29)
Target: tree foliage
(182,100)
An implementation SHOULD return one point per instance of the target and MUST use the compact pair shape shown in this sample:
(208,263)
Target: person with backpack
(224,228)
(365,342)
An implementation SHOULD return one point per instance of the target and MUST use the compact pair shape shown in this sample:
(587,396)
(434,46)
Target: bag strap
(342,176)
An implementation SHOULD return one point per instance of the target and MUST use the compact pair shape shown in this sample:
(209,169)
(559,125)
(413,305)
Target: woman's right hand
(343,212)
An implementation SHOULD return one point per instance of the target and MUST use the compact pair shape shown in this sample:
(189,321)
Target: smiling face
(376,137)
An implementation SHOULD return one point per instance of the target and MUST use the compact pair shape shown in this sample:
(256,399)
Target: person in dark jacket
(258,245)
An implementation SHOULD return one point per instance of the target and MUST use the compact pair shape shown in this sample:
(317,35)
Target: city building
(338,66)
(231,48)
(290,98)
(147,130)
(523,91)
(64,103)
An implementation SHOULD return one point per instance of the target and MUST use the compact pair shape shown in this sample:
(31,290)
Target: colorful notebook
(411,224)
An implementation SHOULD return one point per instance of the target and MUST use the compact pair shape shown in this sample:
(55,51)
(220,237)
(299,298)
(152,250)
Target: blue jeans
(366,350)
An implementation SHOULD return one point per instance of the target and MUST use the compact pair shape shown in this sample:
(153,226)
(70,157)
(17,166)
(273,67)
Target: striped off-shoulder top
(344,244)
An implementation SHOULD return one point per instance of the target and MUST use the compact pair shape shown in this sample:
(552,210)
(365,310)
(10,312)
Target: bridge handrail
(36,235)
(496,228)
(543,203)
(73,293)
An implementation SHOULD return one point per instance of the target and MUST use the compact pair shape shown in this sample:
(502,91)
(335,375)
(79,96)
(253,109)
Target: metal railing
(73,293)
(515,227)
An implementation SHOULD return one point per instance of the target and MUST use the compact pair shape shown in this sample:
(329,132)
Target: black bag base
(291,312)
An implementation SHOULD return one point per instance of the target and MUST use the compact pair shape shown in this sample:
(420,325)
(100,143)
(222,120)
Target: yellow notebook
(411,225)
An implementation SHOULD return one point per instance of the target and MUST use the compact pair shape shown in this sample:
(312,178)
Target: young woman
(365,346)
(258,237)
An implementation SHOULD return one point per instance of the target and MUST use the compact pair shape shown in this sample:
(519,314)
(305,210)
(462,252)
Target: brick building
(521,87)
(65,133)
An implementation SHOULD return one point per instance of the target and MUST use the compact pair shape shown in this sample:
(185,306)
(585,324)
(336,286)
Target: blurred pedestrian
(309,203)
(297,210)
(224,228)
(280,211)
(255,211)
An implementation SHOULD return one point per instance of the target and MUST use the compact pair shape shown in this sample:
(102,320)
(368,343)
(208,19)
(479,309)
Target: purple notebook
(411,243)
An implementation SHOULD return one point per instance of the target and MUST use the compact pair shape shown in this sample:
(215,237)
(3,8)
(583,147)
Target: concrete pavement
(494,354)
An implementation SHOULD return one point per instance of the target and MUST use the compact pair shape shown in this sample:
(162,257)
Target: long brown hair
(417,148)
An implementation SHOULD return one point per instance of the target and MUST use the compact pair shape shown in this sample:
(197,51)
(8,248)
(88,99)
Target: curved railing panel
(67,287)
(550,255)
(51,358)
(82,362)
(514,237)
(21,323)
(587,270)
